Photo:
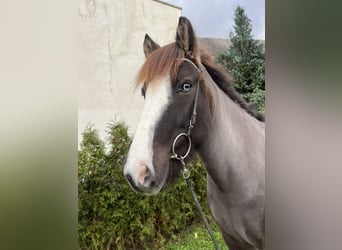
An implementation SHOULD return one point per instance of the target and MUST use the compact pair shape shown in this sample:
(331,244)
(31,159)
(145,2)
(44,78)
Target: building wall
(111,35)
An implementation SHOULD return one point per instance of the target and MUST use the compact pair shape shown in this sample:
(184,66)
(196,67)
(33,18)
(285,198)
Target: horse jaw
(157,99)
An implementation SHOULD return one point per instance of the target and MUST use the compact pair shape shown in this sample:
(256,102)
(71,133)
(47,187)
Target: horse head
(169,80)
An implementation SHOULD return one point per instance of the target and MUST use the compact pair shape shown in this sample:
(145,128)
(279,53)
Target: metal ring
(174,144)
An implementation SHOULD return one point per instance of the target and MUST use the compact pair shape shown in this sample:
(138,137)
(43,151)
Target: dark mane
(225,82)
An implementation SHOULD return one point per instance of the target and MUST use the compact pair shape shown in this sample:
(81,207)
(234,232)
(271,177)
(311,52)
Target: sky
(215,18)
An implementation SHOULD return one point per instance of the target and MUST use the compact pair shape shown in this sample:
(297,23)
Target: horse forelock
(158,64)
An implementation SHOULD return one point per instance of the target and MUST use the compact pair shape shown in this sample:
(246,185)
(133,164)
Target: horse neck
(235,143)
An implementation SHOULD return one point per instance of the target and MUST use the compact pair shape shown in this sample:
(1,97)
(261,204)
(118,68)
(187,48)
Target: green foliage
(245,61)
(197,237)
(119,142)
(111,215)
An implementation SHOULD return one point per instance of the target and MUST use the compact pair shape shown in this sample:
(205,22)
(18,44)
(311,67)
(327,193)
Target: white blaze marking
(141,152)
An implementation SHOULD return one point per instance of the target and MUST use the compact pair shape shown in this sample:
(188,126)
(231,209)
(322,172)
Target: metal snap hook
(186,173)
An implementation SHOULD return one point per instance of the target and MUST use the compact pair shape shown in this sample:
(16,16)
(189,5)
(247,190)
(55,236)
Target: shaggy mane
(225,82)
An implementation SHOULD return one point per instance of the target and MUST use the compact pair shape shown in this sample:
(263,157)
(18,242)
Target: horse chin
(160,182)
(171,170)
(152,192)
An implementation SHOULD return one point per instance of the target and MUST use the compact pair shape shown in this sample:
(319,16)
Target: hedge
(111,215)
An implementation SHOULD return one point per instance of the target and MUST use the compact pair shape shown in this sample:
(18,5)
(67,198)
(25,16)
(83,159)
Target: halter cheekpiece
(192,122)
(181,158)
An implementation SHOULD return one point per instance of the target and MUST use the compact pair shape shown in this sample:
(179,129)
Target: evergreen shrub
(111,215)
(245,61)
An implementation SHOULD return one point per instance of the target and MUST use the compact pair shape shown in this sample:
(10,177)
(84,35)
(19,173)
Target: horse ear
(185,37)
(149,45)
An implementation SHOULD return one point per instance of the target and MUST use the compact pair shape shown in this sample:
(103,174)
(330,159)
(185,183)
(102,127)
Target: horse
(228,134)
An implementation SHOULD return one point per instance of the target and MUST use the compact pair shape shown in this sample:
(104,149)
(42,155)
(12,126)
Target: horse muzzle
(144,182)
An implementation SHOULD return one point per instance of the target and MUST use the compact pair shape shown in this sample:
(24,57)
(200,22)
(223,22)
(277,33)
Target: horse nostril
(145,176)
(148,181)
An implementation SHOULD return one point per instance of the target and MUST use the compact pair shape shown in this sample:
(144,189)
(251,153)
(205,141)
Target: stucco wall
(111,34)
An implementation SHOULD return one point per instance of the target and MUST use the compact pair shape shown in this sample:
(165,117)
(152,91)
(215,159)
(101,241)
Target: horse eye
(186,86)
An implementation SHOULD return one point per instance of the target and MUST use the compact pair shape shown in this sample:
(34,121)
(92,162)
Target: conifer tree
(245,61)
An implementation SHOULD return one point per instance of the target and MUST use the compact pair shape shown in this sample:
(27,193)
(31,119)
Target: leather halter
(181,158)
(192,121)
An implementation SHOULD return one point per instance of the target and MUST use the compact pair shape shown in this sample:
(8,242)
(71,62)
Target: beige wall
(111,35)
